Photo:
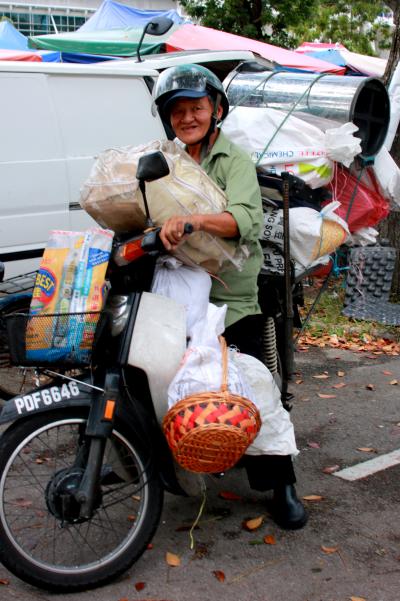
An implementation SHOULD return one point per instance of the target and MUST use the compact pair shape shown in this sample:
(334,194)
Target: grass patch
(327,319)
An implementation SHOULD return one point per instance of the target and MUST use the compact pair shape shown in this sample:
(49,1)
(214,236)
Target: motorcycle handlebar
(152,242)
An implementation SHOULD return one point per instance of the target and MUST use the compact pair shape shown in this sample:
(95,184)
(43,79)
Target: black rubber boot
(287,510)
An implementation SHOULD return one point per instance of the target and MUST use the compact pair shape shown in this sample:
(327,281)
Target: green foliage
(349,23)
(269,21)
(287,23)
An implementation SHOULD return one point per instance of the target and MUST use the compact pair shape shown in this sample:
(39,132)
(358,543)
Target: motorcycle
(81,488)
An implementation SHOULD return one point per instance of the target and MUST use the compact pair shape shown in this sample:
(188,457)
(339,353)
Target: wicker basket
(208,432)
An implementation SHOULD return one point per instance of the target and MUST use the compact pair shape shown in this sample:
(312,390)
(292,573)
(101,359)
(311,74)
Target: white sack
(188,286)
(312,234)
(276,435)
(280,143)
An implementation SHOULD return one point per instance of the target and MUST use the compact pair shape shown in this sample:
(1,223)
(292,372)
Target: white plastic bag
(201,371)
(388,175)
(188,286)
(341,145)
(276,435)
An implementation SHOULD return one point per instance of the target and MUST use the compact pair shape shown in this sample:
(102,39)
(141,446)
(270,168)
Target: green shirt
(234,172)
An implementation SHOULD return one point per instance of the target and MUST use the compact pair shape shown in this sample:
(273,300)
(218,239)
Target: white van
(55,119)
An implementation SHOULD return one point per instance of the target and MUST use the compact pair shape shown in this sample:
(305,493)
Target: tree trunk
(390,227)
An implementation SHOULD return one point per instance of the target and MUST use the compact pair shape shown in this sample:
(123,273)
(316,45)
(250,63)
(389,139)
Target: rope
(300,98)
(203,504)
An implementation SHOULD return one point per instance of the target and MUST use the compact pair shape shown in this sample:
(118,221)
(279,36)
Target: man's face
(191,118)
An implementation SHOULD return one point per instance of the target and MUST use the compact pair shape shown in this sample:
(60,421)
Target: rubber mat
(368,285)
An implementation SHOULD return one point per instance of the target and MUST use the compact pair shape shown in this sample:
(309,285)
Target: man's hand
(222,225)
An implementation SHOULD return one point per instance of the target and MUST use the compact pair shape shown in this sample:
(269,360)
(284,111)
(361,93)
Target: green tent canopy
(113,42)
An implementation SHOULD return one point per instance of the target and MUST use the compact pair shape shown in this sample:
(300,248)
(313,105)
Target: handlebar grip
(187,228)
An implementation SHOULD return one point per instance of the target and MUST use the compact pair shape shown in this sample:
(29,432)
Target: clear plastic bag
(112,197)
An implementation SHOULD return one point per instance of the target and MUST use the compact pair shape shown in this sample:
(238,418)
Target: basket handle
(224,351)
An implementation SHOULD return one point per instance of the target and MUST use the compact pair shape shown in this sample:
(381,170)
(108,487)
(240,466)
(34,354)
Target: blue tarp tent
(114,15)
(12,39)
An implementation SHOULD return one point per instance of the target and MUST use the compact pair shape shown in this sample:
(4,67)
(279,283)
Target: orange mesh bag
(208,432)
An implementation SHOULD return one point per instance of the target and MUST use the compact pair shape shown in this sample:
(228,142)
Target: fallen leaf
(172,559)
(386,372)
(357,599)
(340,385)
(4,581)
(229,496)
(314,445)
(269,539)
(329,550)
(370,387)
(321,376)
(253,524)
(131,518)
(393,382)
(340,374)
(330,469)
(313,498)
(299,381)
(326,396)
(367,449)
(139,586)
(150,546)
(219,575)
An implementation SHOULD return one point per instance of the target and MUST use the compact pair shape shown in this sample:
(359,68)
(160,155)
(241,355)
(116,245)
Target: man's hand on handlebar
(177,228)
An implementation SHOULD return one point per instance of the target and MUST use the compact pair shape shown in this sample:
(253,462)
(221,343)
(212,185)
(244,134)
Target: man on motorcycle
(191,100)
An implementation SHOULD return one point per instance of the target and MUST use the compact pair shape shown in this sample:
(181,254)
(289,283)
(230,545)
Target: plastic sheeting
(196,37)
(114,42)
(12,39)
(113,15)
(355,64)
(124,42)
(19,55)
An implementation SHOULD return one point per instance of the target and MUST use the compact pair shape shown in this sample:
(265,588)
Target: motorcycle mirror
(157,26)
(152,166)
(1,271)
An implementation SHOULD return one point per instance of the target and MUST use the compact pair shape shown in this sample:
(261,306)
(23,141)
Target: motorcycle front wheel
(42,538)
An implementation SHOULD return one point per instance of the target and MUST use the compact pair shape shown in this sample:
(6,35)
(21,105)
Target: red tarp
(196,37)
(19,55)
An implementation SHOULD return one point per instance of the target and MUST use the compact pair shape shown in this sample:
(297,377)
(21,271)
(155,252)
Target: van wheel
(15,381)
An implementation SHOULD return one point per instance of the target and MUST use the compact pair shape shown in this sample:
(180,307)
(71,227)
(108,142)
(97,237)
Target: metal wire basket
(208,432)
(58,339)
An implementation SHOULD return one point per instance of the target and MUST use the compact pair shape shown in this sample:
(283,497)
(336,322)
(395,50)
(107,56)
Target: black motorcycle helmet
(189,81)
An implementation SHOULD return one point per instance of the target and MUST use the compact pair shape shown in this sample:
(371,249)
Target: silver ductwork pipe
(321,99)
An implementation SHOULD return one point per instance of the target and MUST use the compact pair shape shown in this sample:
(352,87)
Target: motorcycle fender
(61,393)
(158,345)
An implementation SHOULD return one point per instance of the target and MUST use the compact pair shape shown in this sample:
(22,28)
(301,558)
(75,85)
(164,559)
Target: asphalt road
(350,549)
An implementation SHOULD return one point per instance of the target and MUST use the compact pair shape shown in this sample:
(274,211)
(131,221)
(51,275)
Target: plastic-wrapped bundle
(112,197)
(69,289)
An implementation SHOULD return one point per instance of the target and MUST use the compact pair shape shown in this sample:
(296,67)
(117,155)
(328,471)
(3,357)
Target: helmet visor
(189,78)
